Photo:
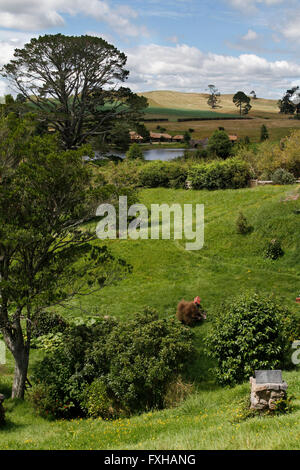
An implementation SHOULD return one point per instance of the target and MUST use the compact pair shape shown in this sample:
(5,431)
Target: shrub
(264,135)
(281,176)
(135,152)
(131,365)
(123,174)
(252,332)
(67,372)
(219,144)
(49,342)
(97,402)
(145,355)
(45,322)
(231,173)
(242,226)
(273,249)
(162,174)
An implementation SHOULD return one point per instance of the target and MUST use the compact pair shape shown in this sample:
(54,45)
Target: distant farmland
(172,114)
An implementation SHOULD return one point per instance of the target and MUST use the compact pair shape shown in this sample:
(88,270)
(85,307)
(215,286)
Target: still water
(154,154)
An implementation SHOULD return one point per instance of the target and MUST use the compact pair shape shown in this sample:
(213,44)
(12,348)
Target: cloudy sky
(180,45)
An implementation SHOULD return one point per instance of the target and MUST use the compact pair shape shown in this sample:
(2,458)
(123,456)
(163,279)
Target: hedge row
(227,174)
(230,173)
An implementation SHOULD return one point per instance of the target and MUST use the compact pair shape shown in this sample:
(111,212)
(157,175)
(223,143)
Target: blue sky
(181,45)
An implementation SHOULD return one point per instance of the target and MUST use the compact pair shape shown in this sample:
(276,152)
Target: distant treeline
(155,120)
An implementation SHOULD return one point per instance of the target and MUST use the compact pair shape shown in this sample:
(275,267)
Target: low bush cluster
(163,174)
(250,333)
(228,174)
(110,369)
(269,159)
(44,323)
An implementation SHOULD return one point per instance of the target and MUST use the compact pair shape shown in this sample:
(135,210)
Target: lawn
(163,273)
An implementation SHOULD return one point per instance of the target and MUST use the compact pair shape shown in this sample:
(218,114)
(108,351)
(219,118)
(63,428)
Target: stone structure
(266,389)
(2,413)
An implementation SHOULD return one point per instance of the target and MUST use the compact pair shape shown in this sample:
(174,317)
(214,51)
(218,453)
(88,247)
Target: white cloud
(250,36)
(34,15)
(291,28)
(250,6)
(187,68)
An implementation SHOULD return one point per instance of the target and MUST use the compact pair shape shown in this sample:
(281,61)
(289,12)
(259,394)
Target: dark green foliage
(252,332)
(242,225)
(97,403)
(273,249)
(219,144)
(231,173)
(264,135)
(242,101)
(134,361)
(44,323)
(187,137)
(281,176)
(135,152)
(76,85)
(285,105)
(163,174)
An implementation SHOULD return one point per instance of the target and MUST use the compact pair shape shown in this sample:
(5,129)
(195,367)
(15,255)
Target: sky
(181,45)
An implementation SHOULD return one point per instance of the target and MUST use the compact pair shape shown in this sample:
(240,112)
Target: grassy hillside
(172,105)
(163,273)
(198,101)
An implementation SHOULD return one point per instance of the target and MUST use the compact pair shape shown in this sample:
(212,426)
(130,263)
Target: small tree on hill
(214,97)
(242,101)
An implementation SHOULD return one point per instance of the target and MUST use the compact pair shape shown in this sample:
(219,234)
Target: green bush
(281,176)
(45,322)
(242,225)
(219,144)
(135,152)
(252,332)
(49,342)
(97,402)
(162,174)
(273,249)
(135,362)
(228,174)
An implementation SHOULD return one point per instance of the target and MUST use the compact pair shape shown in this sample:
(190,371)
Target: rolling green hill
(198,101)
(164,273)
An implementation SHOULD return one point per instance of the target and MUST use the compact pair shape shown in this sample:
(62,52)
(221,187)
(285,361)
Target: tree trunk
(21,357)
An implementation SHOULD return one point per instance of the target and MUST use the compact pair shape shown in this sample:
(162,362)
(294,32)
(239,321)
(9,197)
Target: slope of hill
(198,101)
(163,273)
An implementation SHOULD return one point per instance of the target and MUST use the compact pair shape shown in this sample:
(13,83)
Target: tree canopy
(45,258)
(75,84)
(285,105)
(242,101)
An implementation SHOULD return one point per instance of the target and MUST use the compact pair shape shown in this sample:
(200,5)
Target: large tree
(242,101)
(45,256)
(286,106)
(74,82)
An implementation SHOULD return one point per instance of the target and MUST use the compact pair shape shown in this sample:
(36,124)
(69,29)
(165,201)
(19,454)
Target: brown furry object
(190,313)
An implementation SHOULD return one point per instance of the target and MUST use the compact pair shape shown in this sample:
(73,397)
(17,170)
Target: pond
(155,154)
